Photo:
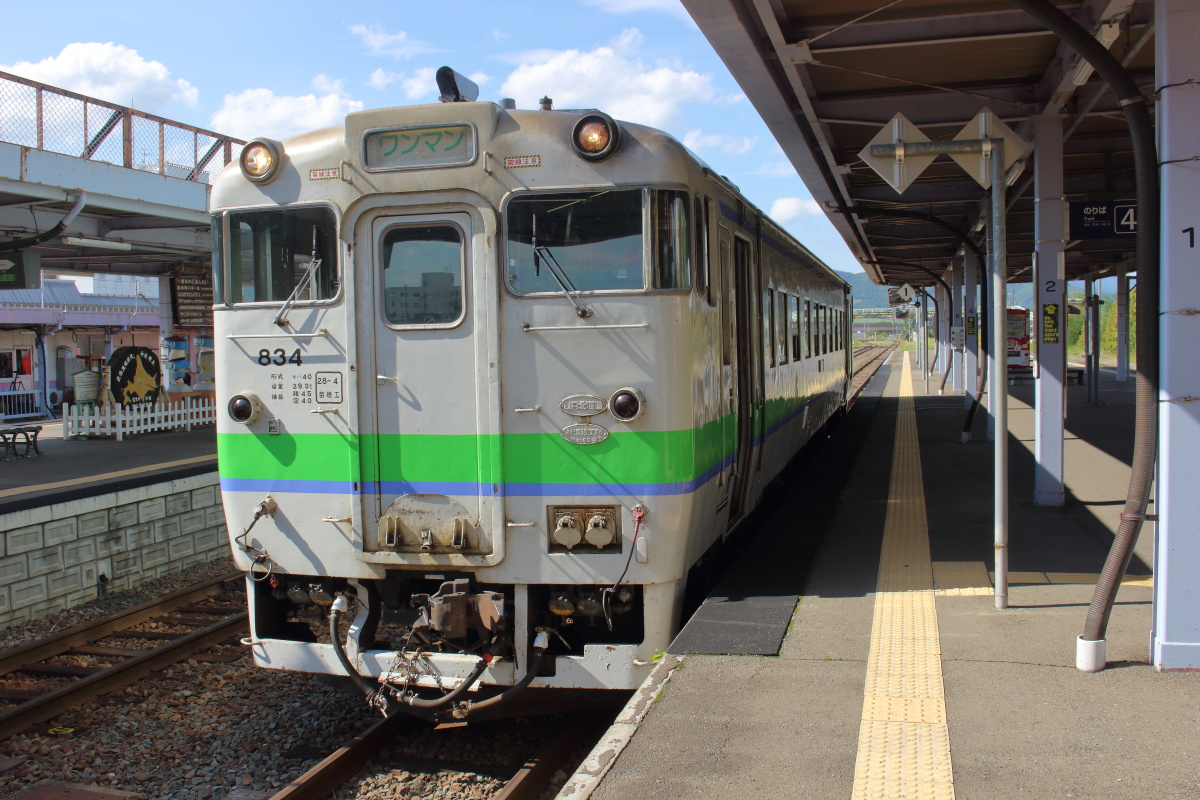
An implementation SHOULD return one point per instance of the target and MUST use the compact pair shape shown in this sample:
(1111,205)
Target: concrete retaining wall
(53,557)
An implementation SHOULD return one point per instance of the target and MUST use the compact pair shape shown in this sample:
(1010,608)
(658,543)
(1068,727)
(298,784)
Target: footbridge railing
(44,117)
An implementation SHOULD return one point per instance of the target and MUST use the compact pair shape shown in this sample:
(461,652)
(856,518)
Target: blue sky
(277,69)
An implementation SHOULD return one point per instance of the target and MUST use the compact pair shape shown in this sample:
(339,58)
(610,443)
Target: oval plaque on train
(583,405)
(584,433)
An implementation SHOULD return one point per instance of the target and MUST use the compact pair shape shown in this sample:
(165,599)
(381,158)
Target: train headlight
(627,404)
(260,160)
(596,136)
(245,407)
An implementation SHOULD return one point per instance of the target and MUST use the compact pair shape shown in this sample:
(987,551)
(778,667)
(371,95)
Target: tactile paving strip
(903,742)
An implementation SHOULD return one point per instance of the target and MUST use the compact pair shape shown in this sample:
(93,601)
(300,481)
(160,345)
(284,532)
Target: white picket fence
(120,421)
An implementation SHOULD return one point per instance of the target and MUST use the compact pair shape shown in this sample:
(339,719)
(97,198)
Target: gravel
(113,602)
(212,730)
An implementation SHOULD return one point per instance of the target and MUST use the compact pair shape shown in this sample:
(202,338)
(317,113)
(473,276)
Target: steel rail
(325,777)
(41,649)
(339,766)
(535,774)
(51,704)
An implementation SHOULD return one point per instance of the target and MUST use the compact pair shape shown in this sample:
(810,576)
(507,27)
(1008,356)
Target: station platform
(885,671)
(70,469)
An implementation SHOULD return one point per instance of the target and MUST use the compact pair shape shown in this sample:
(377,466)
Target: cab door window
(423,275)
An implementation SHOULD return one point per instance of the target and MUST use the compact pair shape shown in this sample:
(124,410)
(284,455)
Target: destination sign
(419,147)
(192,299)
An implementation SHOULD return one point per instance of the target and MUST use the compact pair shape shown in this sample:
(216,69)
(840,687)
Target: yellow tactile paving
(903,743)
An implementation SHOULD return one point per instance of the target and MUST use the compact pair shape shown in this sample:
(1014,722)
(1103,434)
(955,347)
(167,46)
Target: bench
(20,441)
(1020,373)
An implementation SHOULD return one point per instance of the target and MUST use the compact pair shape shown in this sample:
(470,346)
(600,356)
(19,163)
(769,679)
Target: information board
(1051,323)
(192,299)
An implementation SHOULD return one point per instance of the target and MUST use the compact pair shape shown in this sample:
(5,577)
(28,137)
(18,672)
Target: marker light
(260,160)
(245,407)
(627,404)
(596,136)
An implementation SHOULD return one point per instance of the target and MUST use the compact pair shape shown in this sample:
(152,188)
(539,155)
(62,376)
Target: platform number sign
(1125,218)
(1103,220)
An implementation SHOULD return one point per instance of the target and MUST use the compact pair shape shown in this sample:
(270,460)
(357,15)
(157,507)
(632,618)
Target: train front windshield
(576,241)
(271,252)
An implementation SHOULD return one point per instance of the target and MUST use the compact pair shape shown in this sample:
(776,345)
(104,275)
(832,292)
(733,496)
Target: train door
(429,418)
(747,369)
(728,354)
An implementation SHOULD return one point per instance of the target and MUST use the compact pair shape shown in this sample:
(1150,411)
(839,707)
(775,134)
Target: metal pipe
(51,232)
(999,397)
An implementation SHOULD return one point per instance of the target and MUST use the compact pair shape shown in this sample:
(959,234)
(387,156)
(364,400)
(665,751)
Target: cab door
(430,414)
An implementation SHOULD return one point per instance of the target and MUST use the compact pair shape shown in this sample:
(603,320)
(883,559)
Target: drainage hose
(1145,438)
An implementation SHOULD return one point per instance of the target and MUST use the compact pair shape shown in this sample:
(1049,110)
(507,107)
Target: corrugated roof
(62,293)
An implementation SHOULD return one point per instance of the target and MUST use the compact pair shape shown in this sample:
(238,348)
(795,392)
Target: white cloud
(382,78)
(635,6)
(261,112)
(610,79)
(498,34)
(793,209)
(421,83)
(110,72)
(732,145)
(382,43)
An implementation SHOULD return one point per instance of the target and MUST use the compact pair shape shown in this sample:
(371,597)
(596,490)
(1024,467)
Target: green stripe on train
(625,457)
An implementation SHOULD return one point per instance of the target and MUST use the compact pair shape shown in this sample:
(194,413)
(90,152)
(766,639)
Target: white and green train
(495,381)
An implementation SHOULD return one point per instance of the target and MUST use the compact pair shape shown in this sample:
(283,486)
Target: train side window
(703,264)
(271,253)
(218,258)
(795,327)
(423,275)
(822,342)
(781,305)
(670,239)
(769,321)
(725,269)
(807,328)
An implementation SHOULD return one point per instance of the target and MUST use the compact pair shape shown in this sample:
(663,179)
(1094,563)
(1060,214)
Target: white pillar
(1050,317)
(956,290)
(166,327)
(1176,634)
(1122,328)
(971,305)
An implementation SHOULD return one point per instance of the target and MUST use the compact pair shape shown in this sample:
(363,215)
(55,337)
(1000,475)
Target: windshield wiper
(555,270)
(314,264)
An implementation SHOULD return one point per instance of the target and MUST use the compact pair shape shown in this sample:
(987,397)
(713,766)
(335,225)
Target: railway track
(867,360)
(577,730)
(42,679)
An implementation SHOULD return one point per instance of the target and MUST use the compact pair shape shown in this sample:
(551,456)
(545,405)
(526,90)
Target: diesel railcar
(493,381)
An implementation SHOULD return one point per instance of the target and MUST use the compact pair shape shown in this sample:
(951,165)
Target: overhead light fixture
(1106,35)
(102,244)
(1015,173)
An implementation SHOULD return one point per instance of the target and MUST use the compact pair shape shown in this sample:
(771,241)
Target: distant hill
(868,295)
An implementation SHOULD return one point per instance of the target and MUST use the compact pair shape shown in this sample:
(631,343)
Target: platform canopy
(828,77)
